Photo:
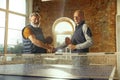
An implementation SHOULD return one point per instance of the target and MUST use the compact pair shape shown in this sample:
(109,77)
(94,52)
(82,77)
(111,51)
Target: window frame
(6,10)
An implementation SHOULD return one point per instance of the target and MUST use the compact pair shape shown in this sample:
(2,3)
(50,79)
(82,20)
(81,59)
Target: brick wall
(99,14)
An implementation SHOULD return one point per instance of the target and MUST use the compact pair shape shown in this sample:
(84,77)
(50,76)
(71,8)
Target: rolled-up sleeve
(27,32)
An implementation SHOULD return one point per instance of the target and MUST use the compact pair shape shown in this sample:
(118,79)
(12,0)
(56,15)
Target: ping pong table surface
(56,72)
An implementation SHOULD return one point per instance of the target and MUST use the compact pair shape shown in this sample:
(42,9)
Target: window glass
(14,37)
(14,40)
(2,31)
(2,19)
(61,39)
(3,4)
(17,6)
(16,21)
(63,27)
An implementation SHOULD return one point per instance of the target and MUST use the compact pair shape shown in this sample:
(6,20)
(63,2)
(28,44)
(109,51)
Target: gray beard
(35,25)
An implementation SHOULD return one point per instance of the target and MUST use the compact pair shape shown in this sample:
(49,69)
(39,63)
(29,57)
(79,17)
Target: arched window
(62,27)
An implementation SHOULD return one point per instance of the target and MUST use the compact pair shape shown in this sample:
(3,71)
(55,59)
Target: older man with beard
(33,38)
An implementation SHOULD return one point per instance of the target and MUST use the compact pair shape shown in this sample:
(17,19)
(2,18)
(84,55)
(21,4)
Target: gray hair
(35,14)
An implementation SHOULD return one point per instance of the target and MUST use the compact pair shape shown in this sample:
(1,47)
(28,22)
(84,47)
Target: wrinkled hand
(71,46)
(50,48)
